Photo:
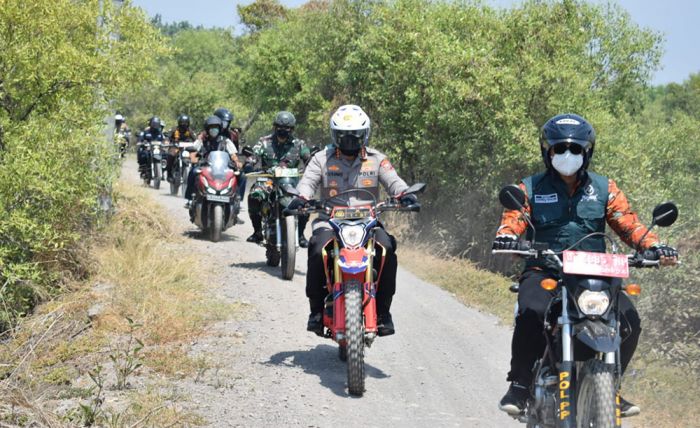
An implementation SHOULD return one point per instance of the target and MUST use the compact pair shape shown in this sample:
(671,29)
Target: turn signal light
(633,289)
(549,284)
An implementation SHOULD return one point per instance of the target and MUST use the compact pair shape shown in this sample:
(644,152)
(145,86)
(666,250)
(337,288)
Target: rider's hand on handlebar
(296,203)
(505,242)
(407,200)
(668,256)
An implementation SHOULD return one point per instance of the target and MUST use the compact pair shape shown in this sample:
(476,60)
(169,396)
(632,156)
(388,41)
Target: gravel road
(445,366)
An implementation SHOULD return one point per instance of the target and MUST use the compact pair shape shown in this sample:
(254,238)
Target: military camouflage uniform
(270,153)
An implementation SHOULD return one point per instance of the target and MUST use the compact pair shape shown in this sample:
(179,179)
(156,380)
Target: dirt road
(445,367)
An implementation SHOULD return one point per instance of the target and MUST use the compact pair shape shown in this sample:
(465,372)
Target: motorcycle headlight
(352,234)
(211,190)
(593,302)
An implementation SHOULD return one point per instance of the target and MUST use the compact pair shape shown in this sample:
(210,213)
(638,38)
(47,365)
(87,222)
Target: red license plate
(596,264)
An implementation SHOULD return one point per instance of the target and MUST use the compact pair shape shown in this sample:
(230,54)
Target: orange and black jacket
(178,135)
(616,211)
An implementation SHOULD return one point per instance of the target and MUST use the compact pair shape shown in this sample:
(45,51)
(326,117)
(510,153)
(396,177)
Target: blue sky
(677,20)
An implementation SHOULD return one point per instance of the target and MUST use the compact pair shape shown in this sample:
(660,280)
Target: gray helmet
(285,119)
(212,122)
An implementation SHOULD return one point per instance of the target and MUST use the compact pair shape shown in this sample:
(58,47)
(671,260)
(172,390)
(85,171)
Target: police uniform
(331,174)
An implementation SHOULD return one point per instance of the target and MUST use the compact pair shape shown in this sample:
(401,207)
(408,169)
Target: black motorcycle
(280,237)
(151,157)
(181,166)
(577,380)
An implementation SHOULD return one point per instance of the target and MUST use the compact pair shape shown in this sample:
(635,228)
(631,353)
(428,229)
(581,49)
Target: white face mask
(566,163)
(214,132)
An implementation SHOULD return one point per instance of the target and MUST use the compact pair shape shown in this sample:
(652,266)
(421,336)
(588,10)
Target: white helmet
(350,129)
(119,118)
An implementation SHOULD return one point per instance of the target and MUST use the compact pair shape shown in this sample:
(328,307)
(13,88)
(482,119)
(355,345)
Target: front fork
(567,384)
(567,399)
(336,289)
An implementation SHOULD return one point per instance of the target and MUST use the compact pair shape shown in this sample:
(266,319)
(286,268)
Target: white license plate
(286,172)
(596,264)
(218,198)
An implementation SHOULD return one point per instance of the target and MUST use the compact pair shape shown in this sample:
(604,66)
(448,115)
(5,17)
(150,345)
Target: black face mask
(350,145)
(282,133)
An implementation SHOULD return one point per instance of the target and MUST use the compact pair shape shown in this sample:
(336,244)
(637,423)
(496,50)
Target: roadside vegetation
(103,352)
(456,91)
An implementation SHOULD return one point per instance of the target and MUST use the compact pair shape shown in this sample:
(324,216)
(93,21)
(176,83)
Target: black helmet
(212,122)
(225,115)
(285,119)
(155,122)
(567,128)
(183,121)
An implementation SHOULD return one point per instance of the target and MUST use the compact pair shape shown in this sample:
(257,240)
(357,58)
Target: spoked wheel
(217,222)
(354,334)
(595,406)
(289,247)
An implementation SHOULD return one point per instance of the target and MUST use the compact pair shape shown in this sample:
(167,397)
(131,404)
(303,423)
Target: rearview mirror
(512,197)
(665,214)
(416,188)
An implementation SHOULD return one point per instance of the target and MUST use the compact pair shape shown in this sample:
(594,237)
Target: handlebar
(315,206)
(638,260)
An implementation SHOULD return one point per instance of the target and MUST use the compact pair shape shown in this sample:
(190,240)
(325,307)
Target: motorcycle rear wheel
(354,335)
(216,224)
(595,406)
(289,247)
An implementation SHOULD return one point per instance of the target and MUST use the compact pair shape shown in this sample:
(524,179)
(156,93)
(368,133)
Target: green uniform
(271,153)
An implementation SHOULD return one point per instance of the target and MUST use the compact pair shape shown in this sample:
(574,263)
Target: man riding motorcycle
(280,148)
(233,134)
(209,140)
(122,133)
(155,130)
(565,203)
(345,165)
(181,133)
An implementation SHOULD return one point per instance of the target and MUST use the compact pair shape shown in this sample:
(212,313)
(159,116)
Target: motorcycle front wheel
(216,224)
(183,180)
(354,336)
(289,247)
(595,406)
(174,182)
(157,175)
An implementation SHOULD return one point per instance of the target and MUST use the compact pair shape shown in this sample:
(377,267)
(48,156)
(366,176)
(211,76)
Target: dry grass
(48,355)
(668,396)
(470,285)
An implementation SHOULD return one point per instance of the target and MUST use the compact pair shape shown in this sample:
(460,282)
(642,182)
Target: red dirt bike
(350,315)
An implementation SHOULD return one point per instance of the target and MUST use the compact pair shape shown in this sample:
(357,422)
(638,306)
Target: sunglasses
(561,148)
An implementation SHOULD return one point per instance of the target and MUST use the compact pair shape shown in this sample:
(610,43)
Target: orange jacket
(619,216)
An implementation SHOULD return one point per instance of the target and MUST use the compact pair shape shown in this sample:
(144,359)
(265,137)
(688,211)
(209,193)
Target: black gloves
(407,200)
(505,242)
(296,203)
(661,250)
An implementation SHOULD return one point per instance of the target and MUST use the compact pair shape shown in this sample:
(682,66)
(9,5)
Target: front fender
(597,335)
